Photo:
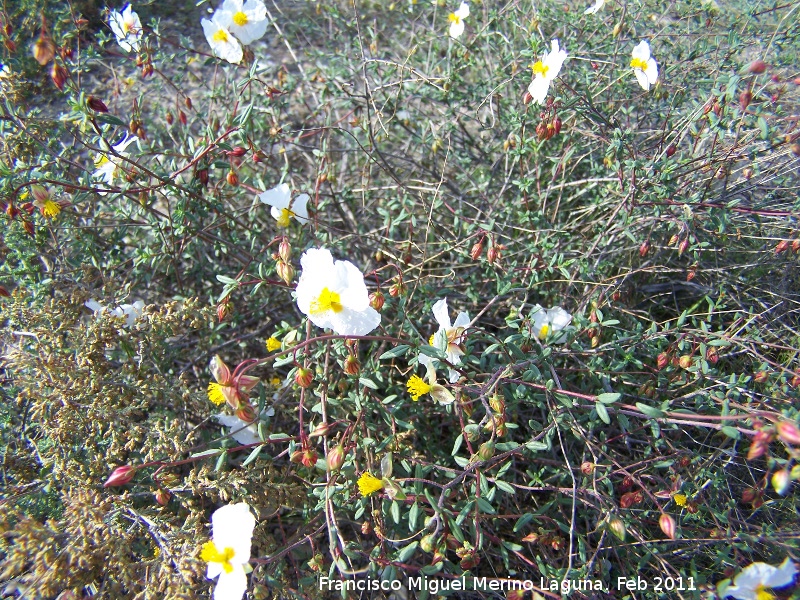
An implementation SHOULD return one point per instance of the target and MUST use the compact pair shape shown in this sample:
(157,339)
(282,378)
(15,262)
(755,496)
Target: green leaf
(253,455)
(650,411)
(731,432)
(602,413)
(395,352)
(608,398)
(407,552)
(368,383)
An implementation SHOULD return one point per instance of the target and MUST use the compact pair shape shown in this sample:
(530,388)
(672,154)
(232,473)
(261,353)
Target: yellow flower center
(369,484)
(763,593)
(431,339)
(240,19)
(417,387)
(283,220)
(680,499)
(273,344)
(50,209)
(210,553)
(539,68)
(275,381)
(544,331)
(454,18)
(327,300)
(215,393)
(127,26)
(100,160)
(220,35)
(638,63)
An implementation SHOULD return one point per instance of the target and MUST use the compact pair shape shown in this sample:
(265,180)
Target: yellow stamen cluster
(369,484)
(680,499)
(417,387)
(540,68)
(454,18)
(763,593)
(326,301)
(50,209)
(431,340)
(215,393)
(273,344)
(240,19)
(220,35)
(638,63)
(209,553)
(283,220)
(544,331)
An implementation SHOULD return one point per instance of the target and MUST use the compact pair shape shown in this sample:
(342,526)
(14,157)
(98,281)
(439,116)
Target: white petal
(559,318)
(232,527)
(242,432)
(539,316)
(554,61)
(652,71)
(94,306)
(641,77)
(783,575)
(538,89)
(440,314)
(454,375)
(353,294)
(462,320)
(276,212)
(463,11)
(299,208)
(456,28)
(231,586)
(352,322)
(642,51)
(278,197)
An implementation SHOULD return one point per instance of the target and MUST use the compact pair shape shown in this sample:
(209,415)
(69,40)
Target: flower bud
(120,476)
(749,495)
(188,102)
(498,404)
(285,271)
(760,376)
(781,480)
(667,524)
(527,98)
(662,360)
(96,105)
(162,497)
(296,457)
(683,246)
(238,152)
(4,292)
(492,255)
(712,355)
(744,99)
(182,118)
(617,30)
(321,430)
(397,289)
(587,468)
(644,248)
(673,240)
(351,365)
(224,309)
(796,245)
(335,458)
(685,361)
(170,119)
(285,250)
(541,131)
(758,448)
(44,50)
(747,172)
(617,527)
(28,227)
(202,176)
(486,451)
(427,543)
(782,246)
(232,178)
(788,433)
(671,150)
(376,300)
(477,250)
(11,46)
(757,67)
(59,75)
(304,377)
(557,125)
(309,458)
(246,413)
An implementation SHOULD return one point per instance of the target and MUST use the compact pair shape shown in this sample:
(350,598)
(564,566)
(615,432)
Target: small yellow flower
(417,387)
(273,344)
(275,381)
(368,484)
(680,499)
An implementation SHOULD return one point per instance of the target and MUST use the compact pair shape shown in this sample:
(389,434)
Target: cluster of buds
(785,245)
(146,65)
(283,264)
(544,538)
(494,254)
(628,499)
(549,121)
(305,455)
(786,431)
(497,420)
(468,555)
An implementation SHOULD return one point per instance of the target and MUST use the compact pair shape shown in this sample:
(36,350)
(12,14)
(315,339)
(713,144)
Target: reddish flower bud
(120,476)
(477,250)
(541,131)
(202,176)
(744,99)
(285,250)
(397,289)
(683,246)
(246,413)
(182,117)
(376,300)
(587,468)
(162,497)
(758,448)
(232,178)
(351,365)
(59,75)
(11,210)
(304,377)
(673,240)
(776,78)
(749,495)
(492,255)
(4,292)
(296,457)
(712,355)
(188,102)
(627,500)
(557,125)
(757,67)
(796,245)
(760,376)
(309,458)
(782,246)
(644,248)
(321,430)
(224,309)
(662,360)
(527,98)
(28,227)
(170,119)
(43,50)
(238,152)
(667,524)
(11,46)
(671,150)
(685,361)
(691,274)
(788,433)
(96,105)
(335,458)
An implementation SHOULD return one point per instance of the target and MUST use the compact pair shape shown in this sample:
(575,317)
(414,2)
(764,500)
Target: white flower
(228,552)
(457,20)
(754,581)
(247,20)
(549,321)
(127,27)
(283,207)
(130,312)
(334,295)
(643,65)
(449,338)
(243,432)
(545,71)
(598,4)
(221,39)
(106,167)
